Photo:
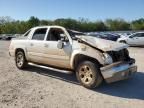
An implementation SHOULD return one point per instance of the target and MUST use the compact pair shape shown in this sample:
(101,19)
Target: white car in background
(136,39)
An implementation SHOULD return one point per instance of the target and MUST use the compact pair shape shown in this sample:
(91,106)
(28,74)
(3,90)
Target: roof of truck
(48,26)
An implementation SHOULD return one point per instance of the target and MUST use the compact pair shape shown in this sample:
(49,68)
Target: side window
(54,34)
(39,34)
(135,35)
(139,35)
(142,34)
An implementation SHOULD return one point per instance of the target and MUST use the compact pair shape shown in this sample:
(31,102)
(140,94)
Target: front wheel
(88,74)
(20,60)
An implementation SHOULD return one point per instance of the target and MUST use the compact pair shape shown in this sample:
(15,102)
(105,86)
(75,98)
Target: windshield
(73,33)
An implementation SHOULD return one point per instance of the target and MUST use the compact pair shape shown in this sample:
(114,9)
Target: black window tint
(135,35)
(141,35)
(54,34)
(39,34)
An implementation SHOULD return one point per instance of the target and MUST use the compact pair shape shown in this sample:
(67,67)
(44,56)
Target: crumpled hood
(102,44)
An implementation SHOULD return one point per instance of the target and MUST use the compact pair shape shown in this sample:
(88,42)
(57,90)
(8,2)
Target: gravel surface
(37,87)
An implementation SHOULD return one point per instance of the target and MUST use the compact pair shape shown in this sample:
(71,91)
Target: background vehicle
(93,59)
(7,37)
(110,36)
(107,36)
(136,39)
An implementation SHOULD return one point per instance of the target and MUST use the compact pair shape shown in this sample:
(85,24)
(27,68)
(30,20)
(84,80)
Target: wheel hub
(20,60)
(85,74)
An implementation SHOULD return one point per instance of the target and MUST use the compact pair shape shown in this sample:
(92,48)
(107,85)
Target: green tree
(33,21)
(46,22)
(67,23)
(138,24)
(9,28)
(21,26)
(6,19)
(9,25)
(100,26)
(117,24)
(0,30)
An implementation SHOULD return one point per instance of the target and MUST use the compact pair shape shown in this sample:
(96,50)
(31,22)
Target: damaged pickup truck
(92,59)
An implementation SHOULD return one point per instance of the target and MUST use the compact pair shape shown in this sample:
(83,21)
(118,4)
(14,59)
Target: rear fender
(22,48)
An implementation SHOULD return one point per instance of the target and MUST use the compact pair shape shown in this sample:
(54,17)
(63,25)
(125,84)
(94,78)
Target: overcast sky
(91,9)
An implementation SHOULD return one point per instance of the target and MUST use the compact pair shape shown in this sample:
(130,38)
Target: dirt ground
(37,87)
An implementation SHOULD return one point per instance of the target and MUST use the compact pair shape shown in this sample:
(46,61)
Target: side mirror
(62,36)
(60,44)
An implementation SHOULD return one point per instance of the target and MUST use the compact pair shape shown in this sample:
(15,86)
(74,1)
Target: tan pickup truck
(92,59)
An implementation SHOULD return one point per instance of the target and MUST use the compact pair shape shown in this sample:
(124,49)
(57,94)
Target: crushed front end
(122,67)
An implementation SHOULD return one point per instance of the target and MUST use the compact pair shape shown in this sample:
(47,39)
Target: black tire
(20,60)
(90,78)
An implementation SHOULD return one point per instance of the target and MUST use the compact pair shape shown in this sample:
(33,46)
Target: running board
(51,68)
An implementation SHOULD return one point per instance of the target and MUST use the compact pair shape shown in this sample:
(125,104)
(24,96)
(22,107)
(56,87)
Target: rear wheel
(20,60)
(88,74)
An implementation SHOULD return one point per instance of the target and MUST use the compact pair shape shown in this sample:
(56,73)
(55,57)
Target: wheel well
(123,41)
(80,58)
(18,49)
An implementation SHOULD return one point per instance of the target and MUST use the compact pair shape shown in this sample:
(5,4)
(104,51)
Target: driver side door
(53,55)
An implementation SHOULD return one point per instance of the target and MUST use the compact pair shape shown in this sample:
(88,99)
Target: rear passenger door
(36,45)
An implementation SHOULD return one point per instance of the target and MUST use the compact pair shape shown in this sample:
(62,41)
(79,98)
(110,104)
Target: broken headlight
(107,58)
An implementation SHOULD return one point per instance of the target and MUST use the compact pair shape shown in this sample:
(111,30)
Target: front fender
(90,53)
